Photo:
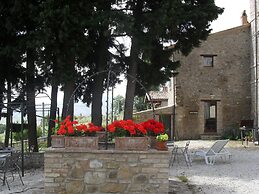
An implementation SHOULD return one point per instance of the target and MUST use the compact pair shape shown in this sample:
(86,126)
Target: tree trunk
(96,109)
(131,82)
(8,116)
(31,110)
(133,63)
(101,63)
(53,110)
(68,100)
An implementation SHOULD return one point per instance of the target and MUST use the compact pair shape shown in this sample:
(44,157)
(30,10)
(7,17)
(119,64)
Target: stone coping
(109,151)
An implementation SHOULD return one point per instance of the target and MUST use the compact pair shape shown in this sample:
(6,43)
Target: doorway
(210,116)
(166,120)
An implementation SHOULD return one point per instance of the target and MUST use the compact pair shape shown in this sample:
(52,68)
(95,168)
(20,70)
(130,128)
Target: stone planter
(82,142)
(101,135)
(131,143)
(152,142)
(161,145)
(57,141)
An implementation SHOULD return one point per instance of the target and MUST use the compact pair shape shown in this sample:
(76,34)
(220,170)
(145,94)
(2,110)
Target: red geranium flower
(126,128)
(153,127)
(68,127)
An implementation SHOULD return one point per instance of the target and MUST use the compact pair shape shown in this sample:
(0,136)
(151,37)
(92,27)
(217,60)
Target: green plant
(18,135)
(2,128)
(162,137)
(182,178)
(42,145)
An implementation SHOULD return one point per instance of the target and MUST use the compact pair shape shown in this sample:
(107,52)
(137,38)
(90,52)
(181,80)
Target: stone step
(210,136)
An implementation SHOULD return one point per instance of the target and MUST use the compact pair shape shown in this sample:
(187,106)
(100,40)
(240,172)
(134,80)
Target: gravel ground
(33,183)
(237,175)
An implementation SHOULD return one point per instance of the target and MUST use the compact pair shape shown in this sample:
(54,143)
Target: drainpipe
(256,69)
(256,66)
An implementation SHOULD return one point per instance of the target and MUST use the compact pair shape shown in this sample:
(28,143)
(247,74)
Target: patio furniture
(9,164)
(181,151)
(216,150)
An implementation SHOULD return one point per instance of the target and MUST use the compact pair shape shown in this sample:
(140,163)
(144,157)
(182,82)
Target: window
(208,60)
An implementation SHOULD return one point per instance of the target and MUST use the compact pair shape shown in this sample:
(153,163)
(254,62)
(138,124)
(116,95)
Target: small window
(208,60)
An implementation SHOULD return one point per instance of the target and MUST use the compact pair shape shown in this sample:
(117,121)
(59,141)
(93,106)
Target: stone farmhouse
(214,89)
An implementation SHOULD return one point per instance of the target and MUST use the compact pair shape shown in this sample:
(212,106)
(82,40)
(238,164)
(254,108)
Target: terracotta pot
(57,141)
(161,145)
(82,142)
(131,143)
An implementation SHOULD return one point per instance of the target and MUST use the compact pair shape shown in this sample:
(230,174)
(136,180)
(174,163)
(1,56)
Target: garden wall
(77,171)
(33,160)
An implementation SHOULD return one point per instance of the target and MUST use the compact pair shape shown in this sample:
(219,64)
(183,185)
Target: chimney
(244,18)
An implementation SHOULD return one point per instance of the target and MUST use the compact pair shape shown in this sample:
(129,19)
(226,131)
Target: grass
(182,178)
(1,137)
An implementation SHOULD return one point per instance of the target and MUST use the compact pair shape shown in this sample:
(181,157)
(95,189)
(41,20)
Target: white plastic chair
(216,150)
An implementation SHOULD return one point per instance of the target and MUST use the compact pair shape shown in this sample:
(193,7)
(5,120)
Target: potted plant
(128,135)
(78,135)
(161,142)
(153,128)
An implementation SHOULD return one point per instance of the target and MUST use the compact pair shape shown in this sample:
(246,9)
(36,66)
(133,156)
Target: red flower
(111,128)
(67,127)
(153,127)
(124,128)
(70,130)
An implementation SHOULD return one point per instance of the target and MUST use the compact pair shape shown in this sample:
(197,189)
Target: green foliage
(1,137)
(231,133)
(42,146)
(72,40)
(118,104)
(182,178)
(2,128)
(18,136)
(139,103)
(162,137)
(83,119)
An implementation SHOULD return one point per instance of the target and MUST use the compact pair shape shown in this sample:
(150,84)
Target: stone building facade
(254,8)
(213,92)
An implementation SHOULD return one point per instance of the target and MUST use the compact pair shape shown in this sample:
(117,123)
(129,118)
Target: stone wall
(33,160)
(106,171)
(227,82)
(148,114)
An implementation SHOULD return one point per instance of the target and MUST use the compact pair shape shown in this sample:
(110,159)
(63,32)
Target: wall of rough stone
(228,82)
(148,114)
(33,160)
(106,171)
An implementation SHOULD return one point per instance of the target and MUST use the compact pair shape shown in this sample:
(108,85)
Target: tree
(154,23)
(118,106)
(11,55)
(103,25)
(64,42)
(139,103)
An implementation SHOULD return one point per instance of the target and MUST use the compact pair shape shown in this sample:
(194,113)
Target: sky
(230,18)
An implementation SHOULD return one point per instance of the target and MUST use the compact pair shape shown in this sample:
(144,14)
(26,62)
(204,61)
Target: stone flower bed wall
(106,171)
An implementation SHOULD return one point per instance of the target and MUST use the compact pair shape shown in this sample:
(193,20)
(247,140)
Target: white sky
(230,18)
